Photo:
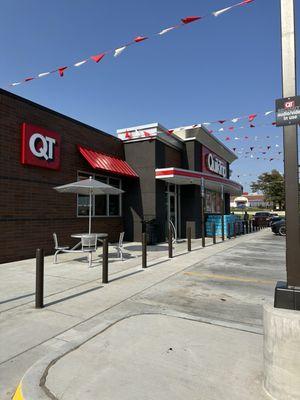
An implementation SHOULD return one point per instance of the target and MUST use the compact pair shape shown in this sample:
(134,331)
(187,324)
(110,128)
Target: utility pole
(288,295)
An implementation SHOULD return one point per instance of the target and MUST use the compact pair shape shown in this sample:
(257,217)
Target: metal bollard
(203,233)
(189,238)
(105,261)
(228,231)
(213,229)
(234,229)
(39,279)
(222,223)
(144,250)
(243,228)
(170,244)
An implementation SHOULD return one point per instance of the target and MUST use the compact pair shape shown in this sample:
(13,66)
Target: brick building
(160,174)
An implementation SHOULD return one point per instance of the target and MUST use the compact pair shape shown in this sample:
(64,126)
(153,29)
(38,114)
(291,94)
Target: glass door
(173,208)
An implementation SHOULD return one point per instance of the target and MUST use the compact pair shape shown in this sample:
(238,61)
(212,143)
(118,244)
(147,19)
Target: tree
(271,184)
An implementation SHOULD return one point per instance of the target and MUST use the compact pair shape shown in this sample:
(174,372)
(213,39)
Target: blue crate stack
(217,219)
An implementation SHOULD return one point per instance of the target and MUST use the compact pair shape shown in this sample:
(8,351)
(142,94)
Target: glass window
(102,205)
(83,201)
(114,200)
(101,199)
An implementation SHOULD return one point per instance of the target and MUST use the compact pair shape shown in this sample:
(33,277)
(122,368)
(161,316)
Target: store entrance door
(173,209)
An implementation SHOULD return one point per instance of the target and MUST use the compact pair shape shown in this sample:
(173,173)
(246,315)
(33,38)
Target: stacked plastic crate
(217,220)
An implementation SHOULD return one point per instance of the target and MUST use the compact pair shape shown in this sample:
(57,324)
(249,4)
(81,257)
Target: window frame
(94,175)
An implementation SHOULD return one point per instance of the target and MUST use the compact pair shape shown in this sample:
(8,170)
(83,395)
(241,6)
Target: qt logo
(289,104)
(40,147)
(45,150)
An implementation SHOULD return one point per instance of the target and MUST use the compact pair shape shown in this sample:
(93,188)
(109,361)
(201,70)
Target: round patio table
(99,235)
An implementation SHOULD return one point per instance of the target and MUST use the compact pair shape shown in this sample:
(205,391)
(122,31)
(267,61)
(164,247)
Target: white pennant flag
(217,13)
(221,129)
(43,74)
(276,145)
(80,63)
(16,83)
(119,51)
(269,112)
(206,123)
(166,30)
(234,120)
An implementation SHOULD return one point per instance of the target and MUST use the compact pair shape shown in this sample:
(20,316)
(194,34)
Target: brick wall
(30,210)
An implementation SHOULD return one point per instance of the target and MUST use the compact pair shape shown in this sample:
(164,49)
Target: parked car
(278,227)
(261,218)
(272,220)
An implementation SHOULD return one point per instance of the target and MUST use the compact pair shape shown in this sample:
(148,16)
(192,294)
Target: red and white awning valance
(180,176)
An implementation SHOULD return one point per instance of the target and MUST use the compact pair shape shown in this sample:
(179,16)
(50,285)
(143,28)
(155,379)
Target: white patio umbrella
(88,187)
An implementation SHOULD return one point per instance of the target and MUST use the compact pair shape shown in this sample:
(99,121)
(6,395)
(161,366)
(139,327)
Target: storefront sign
(215,165)
(288,111)
(40,147)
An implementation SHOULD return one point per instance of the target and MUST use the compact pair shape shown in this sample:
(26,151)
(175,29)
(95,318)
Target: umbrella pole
(90,213)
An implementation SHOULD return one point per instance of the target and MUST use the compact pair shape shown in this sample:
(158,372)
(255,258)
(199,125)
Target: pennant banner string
(117,51)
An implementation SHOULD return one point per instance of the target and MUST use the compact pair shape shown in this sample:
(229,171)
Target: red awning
(107,163)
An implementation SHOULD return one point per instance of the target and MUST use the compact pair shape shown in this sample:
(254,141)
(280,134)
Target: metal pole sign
(288,111)
(287,295)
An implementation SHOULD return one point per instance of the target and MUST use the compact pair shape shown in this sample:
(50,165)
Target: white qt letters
(46,150)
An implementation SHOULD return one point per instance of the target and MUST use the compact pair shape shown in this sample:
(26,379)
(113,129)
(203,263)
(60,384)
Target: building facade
(160,173)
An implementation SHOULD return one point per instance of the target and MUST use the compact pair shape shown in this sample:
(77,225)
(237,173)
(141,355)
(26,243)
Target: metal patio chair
(58,249)
(119,246)
(89,245)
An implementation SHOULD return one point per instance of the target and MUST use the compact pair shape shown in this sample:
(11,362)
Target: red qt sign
(40,147)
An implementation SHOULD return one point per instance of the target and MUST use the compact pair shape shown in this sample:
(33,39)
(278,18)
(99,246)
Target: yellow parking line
(229,278)
(18,395)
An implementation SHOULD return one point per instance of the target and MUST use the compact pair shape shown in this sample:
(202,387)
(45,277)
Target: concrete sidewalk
(186,292)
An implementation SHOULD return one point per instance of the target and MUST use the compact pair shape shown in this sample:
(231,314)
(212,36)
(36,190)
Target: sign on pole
(288,111)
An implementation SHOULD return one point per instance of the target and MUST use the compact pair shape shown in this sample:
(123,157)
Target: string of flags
(116,52)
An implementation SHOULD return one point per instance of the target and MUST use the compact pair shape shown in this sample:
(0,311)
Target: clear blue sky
(213,69)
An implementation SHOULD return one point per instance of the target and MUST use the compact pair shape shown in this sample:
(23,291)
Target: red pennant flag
(210,131)
(146,134)
(271,159)
(28,79)
(246,137)
(128,135)
(61,71)
(170,131)
(252,126)
(268,147)
(234,148)
(251,117)
(246,2)
(227,138)
(188,20)
(97,57)
(231,128)
(251,148)
(274,123)
(222,121)
(140,39)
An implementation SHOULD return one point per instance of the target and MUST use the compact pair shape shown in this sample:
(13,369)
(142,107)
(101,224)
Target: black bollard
(247,226)
(189,238)
(39,279)
(234,229)
(144,250)
(213,229)
(170,243)
(105,261)
(228,231)
(222,223)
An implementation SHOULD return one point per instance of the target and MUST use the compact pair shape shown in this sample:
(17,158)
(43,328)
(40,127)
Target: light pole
(287,295)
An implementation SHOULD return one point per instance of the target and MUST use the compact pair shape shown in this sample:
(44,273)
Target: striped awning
(107,163)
